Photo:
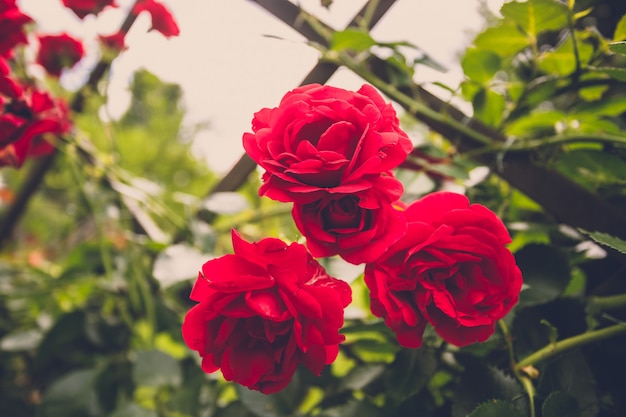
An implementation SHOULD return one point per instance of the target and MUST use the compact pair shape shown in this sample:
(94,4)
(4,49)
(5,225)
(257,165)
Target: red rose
(84,7)
(12,22)
(116,41)
(24,119)
(57,52)
(323,140)
(162,19)
(264,310)
(8,86)
(356,228)
(451,270)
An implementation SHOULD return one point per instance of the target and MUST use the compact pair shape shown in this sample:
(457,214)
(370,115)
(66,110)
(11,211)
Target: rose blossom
(26,114)
(162,19)
(12,22)
(83,8)
(323,140)
(115,41)
(262,311)
(451,270)
(57,52)
(357,228)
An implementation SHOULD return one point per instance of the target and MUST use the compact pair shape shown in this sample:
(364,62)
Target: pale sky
(229,70)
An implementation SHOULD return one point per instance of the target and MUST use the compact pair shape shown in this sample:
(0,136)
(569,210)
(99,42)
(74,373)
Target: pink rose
(57,52)
(451,270)
(262,311)
(323,141)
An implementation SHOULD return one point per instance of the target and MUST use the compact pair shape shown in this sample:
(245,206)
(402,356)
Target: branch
(570,343)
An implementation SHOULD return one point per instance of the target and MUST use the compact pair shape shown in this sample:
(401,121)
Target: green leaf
(504,39)
(374,350)
(536,16)
(546,272)
(611,106)
(21,340)
(352,408)
(566,315)
(72,395)
(480,65)
(410,372)
(489,107)
(154,368)
(352,39)
(496,409)
(562,60)
(262,405)
(613,72)
(480,383)
(593,168)
(607,240)
(540,122)
(571,374)
(560,404)
(133,410)
(65,343)
(429,62)
(620,30)
(618,47)
(361,375)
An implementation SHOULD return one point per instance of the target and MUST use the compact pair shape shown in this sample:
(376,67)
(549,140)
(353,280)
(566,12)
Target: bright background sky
(228,69)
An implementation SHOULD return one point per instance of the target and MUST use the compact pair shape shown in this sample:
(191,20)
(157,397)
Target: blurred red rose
(357,229)
(162,19)
(26,114)
(9,87)
(116,41)
(83,8)
(57,52)
(264,310)
(322,141)
(12,22)
(451,270)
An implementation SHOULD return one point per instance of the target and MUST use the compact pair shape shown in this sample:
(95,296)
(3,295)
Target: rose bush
(355,228)
(262,311)
(83,8)
(451,270)
(57,52)
(323,141)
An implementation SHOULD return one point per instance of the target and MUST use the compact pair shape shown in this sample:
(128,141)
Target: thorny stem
(534,144)
(598,304)
(554,349)
(523,379)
